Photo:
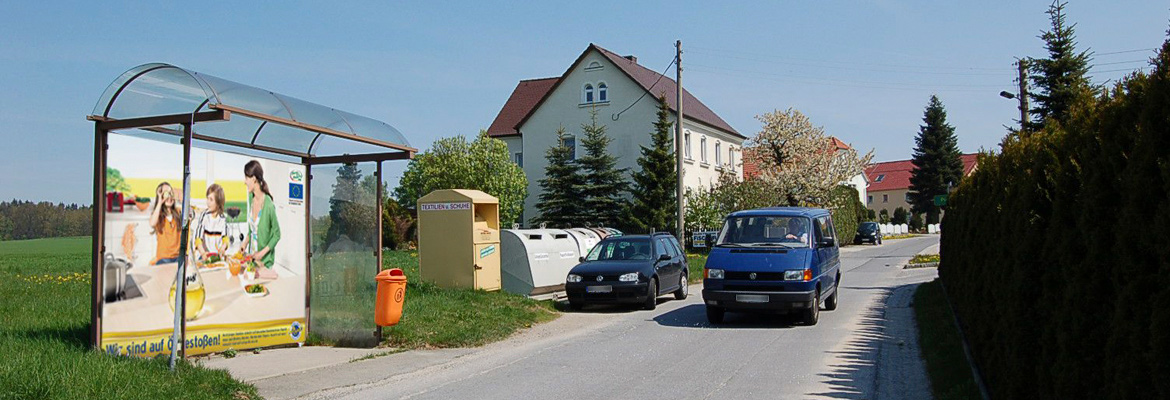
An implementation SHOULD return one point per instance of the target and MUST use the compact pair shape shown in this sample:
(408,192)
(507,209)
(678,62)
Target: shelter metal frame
(219,112)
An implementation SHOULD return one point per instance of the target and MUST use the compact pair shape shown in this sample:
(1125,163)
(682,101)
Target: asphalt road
(866,349)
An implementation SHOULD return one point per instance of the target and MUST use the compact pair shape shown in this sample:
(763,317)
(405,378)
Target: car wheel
(651,295)
(576,305)
(878,242)
(813,313)
(831,301)
(715,315)
(681,293)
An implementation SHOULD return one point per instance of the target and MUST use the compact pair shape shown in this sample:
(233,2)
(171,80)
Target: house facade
(603,81)
(889,183)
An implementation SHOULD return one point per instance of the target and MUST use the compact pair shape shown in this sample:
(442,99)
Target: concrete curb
(966,347)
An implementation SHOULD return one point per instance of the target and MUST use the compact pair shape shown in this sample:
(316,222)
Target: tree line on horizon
(23,219)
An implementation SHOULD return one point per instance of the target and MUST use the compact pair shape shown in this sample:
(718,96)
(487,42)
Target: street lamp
(1007,95)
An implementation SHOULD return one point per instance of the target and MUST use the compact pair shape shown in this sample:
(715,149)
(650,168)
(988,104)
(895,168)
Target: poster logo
(296,193)
(294,330)
(487,251)
(296,176)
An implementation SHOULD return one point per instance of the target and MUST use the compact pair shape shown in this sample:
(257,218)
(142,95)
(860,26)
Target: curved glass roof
(259,118)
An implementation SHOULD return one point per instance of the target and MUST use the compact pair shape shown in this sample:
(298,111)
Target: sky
(862,70)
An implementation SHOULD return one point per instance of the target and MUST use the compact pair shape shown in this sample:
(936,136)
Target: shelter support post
(308,245)
(178,349)
(378,236)
(98,229)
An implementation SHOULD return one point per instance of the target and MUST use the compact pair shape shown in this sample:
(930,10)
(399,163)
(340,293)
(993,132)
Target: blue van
(781,259)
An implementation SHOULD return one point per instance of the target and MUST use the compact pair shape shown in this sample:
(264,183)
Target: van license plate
(751,298)
(599,289)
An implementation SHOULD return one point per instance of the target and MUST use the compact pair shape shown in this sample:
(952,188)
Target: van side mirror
(826,242)
(580,259)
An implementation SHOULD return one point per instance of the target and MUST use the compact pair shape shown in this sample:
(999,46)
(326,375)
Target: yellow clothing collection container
(459,239)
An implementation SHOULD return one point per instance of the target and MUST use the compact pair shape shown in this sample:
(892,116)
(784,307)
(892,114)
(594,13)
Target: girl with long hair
(263,229)
(164,223)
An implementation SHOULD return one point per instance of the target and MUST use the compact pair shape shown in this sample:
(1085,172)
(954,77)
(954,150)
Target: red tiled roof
(692,107)
(896,174)
(838,144)
(523,99)
(530,94)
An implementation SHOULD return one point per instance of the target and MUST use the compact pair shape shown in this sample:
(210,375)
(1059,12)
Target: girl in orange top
(164,223)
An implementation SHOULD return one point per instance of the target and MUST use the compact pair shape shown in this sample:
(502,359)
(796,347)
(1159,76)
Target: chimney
(631,57)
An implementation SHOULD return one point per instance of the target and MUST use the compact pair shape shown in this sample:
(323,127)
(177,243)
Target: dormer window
(602,92)
(593,66)
(588,93)
(880,178)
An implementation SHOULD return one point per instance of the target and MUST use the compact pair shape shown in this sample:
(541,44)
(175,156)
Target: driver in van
(797,230)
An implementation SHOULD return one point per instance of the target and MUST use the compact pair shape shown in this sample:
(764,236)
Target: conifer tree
(604,183)
(1062,77)
(936,161)
(654,197)
(560,199)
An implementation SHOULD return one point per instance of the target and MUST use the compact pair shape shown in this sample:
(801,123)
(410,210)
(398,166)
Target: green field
(44,337)
(695,263)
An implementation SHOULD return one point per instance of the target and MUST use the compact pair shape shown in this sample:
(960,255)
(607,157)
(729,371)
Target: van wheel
(681,293)
(813,313)
(831,301)
(715,315)
(651,295)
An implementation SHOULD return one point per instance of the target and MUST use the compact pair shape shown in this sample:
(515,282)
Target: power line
(906,84)
(1121,62)
(1124,52)
(775,78)
(619,113)
(932,67)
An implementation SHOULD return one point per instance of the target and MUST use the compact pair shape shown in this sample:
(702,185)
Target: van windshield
(620,250)
(765,231)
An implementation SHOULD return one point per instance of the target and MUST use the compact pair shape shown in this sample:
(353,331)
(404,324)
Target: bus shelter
(262,210)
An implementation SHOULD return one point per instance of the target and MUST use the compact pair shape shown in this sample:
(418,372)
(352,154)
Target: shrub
(1058,250)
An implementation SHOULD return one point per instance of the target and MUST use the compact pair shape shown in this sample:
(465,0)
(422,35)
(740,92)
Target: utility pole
(1023,66)
(678,137)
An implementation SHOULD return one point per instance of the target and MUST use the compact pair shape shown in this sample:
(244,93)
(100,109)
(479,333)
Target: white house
(609,83)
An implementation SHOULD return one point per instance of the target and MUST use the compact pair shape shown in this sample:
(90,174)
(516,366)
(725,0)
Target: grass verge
(44,339)
(436,317)
(942,349)
(902,236)
(695,263)
(924,258)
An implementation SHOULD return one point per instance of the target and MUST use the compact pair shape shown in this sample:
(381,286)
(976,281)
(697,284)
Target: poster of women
(246,225)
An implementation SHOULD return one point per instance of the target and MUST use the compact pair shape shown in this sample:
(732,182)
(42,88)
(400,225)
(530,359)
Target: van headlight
(794,275)
(630,277)
(574,278)
(714,274)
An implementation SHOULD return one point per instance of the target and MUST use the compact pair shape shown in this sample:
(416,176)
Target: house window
(885,197)
(687,144)
(731,157)
(703,149)
(869,200)
(880,178)
(593,66)
(718,154)
(571,143)
(907,197)
(602,92)
(588,93)
(519,158)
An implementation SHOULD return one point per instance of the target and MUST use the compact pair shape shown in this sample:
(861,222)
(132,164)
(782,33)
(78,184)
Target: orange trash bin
(391,294)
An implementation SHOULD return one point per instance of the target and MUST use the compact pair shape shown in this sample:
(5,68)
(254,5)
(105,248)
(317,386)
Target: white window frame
(518,158)
(602,92)
(703,149)
(574,146)
(718,154)
(687,144)
(731,157)
(587,95)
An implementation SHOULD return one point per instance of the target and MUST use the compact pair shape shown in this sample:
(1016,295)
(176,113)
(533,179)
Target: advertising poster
(246,267)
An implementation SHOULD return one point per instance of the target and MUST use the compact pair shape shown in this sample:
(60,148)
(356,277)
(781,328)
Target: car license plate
(599,289)
(751,298)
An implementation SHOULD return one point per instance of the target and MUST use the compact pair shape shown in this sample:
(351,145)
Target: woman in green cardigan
(263,230)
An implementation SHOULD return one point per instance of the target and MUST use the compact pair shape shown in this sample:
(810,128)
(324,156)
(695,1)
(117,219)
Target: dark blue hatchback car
(782,259)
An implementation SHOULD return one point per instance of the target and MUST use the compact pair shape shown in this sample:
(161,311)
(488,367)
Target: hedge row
(1056,252)
(848,212)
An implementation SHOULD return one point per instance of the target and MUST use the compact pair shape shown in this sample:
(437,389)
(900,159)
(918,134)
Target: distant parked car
(629,269)
(782,259)
(868,232)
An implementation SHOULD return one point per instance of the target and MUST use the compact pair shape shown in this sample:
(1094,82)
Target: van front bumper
(757,300)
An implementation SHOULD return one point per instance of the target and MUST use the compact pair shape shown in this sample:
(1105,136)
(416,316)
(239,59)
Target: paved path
(866,349)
